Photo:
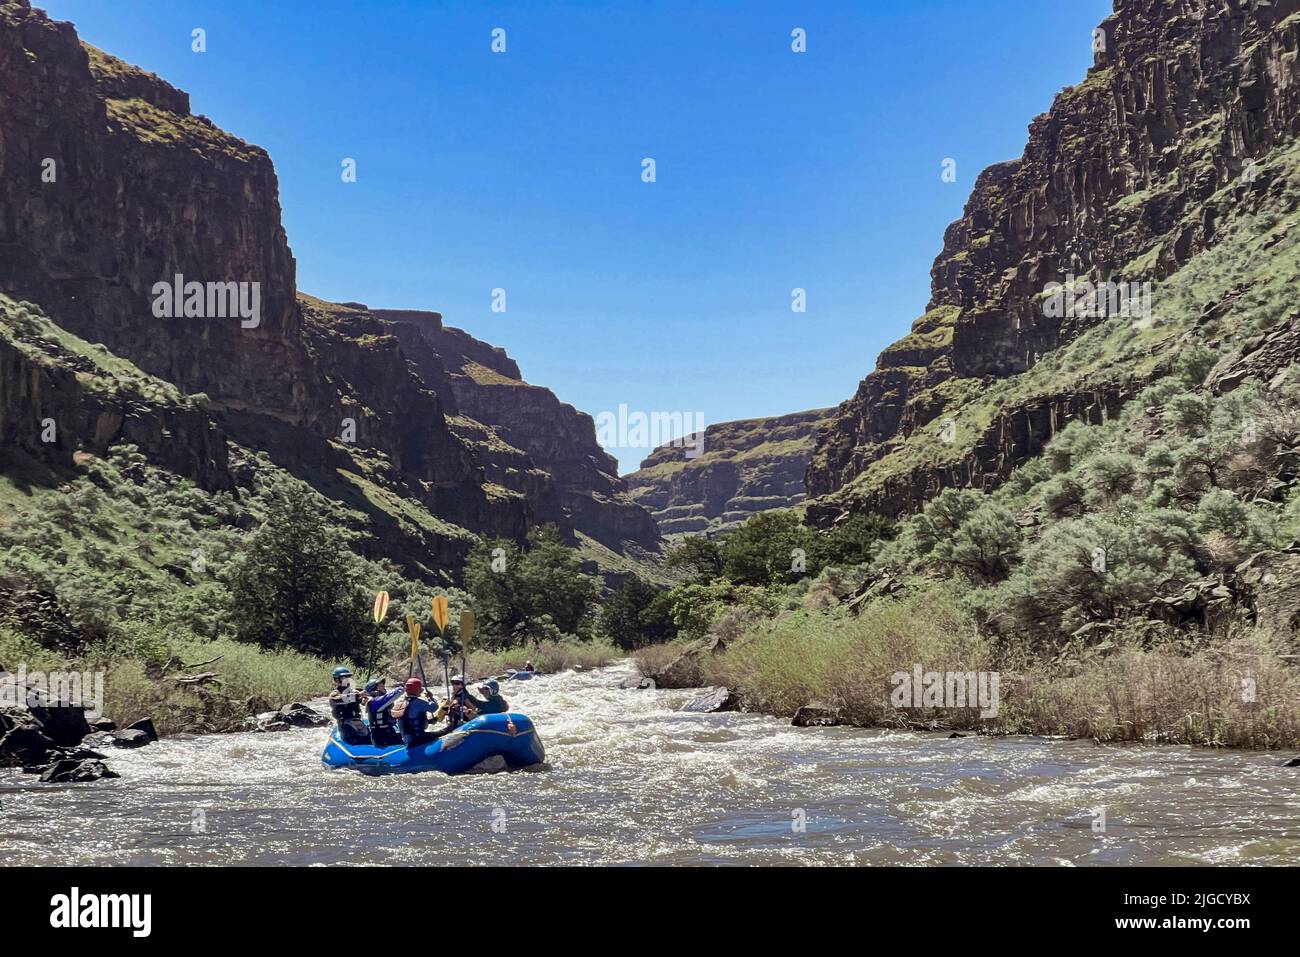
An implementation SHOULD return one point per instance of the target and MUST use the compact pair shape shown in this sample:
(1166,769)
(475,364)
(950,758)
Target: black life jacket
(346,706)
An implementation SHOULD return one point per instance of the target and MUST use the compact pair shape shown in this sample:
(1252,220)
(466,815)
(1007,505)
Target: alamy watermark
(45,689)
(1085,299)
(919,688)
(650,430)
(179,299)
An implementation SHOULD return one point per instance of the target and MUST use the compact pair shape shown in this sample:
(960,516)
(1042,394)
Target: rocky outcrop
(109,186)
(1126,178)
(530,441)
(713,701)
(743,468)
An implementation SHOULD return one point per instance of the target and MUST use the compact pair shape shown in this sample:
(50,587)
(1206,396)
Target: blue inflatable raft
(510,735)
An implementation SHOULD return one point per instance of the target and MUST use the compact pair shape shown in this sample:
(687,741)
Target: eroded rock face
(530,442)
(137,191)
(1123,169)
(744,468)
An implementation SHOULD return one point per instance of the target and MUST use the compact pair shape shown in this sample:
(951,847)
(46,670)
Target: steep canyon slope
(1173,163)
(109,185)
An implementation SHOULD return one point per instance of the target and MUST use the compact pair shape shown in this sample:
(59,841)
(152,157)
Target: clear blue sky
(523,170)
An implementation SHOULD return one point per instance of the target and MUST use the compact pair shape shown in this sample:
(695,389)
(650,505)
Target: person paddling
(413,711)
(379,708)
(492,702)
(345,706)
(457,709)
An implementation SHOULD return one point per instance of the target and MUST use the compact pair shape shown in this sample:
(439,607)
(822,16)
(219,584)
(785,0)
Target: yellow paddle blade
(440,613)
(466,629)
(381,606)
(413,627)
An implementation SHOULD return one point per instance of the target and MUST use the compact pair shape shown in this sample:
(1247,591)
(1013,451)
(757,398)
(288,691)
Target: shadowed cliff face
(529,440)
(109,186)
(745,467)
(1127,178)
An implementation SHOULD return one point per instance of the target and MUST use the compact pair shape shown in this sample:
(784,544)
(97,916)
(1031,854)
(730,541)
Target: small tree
(531,592)
(637,614)
(296,586)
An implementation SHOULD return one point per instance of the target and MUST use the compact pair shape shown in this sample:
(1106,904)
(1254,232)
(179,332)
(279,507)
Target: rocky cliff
(745,467)
(109,187)
(1172,164)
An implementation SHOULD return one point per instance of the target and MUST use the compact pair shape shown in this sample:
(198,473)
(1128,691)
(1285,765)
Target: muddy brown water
(631,780)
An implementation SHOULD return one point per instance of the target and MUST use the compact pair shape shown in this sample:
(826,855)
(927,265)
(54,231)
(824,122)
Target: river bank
(1240,691)
(630,779)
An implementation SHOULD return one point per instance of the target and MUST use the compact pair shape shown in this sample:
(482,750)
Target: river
(631,780)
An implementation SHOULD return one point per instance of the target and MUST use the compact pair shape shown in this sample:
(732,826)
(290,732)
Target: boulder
(1270,586)
(300,716)
(638,683)
(75,754)
(145,725)
(130,738)
(72,771)
(268,721)
(1293,763)
(719,699)
(104,724)
(816,714)
(23,743)
(687,669)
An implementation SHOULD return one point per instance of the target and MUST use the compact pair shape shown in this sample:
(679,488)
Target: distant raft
(518,675)
(510,736)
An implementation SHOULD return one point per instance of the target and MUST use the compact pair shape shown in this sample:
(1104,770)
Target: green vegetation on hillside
(1072,579)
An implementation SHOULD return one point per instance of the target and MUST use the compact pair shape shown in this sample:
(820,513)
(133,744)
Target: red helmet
(414,685)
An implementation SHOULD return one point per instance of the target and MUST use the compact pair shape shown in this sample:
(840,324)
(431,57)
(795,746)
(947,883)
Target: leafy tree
(699,556)
(637,614)
(770,547)
(296,586)
(852,541)
(533,592)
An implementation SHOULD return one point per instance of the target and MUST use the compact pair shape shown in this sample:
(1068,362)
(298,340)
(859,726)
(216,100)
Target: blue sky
(522,170)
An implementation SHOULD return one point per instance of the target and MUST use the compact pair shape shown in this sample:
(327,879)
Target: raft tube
(520,675)
(510,735)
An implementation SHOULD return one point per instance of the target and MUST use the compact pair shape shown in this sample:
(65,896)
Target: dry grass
(1239,691)
(1233,692)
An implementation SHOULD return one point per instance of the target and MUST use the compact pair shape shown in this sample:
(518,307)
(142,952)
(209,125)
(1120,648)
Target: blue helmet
(341,673)
(491,685)
(373,685)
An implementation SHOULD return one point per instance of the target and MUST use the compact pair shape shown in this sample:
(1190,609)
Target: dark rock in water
(145,725)
(268,721)
(300,716)
(638,683)
(64,772)
(1293,763)
(104,724)
(687,669)
(130,738)
(63,722)
(958,734)
(816,715)
(23,743)
(78,753)
(719,699)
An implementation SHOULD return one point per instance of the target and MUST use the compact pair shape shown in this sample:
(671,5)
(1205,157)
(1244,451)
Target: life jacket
(413,717)
(381,710)
(346,706)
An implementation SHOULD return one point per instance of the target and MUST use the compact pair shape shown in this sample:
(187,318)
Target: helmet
(414,686)
(458,679)
(341,673)
(491,685)
(373,685)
